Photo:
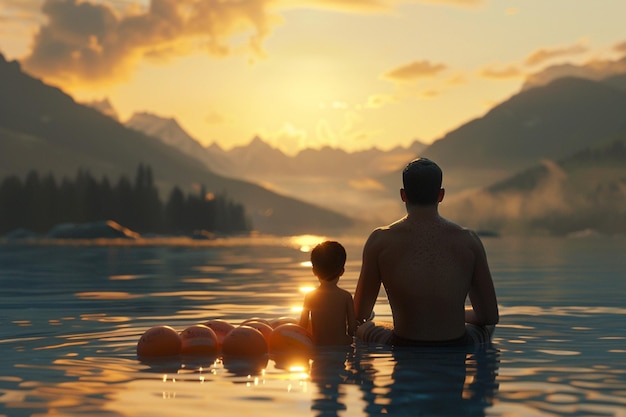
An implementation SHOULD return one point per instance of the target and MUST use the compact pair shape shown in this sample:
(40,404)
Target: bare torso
(427,268)
(331,312)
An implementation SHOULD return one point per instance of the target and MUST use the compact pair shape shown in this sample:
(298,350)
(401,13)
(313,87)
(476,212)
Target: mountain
(43,128)
(169,131)
(258,159)
(584,192)
(313,175)
(547,122)
(597,70)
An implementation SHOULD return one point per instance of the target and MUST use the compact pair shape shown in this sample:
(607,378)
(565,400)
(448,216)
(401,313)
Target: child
(329,308)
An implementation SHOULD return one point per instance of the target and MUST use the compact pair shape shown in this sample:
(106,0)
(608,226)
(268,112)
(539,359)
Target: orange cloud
(101,42)
(542,55)
(510,71)
(593,70)
(370,6)
(377,101)
(88,42)
(620,47)
(413,71)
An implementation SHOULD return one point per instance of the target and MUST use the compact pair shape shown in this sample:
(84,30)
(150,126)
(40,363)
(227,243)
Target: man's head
(422,179)
(328,260)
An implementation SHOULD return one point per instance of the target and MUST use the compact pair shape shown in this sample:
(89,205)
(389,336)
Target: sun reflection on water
(306,242)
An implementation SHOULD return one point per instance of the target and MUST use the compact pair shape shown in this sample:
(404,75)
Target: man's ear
(442,193)
(403,194)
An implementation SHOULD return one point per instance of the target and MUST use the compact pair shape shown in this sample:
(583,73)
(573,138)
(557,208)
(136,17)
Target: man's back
(426,269)
(427,266)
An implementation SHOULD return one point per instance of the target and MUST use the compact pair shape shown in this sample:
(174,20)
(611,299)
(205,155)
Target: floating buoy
(245,365)
(282,320)
(199,340)
(221,329)
(244,341)
(262,326)
(256,319)
(159,341)
(292,339)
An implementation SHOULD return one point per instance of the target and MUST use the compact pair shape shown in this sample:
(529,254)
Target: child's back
(331,313)
(329,310)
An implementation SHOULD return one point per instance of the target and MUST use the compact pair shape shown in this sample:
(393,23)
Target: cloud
(215,118)
(374,6)
(545,54)
(512,208)
(289,138)
(376,101)
(620,47)
(432,93)
(457,79)
(84,41)
(101,42)
(414,71)
(493,72)
(592,70)
(20,10)
(324,133)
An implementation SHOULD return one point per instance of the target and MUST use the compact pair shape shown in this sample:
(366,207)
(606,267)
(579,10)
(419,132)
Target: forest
(39,202)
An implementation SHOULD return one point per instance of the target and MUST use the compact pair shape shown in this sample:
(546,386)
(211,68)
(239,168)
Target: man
(428,266)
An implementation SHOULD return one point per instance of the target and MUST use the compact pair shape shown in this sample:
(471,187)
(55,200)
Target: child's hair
(328,260)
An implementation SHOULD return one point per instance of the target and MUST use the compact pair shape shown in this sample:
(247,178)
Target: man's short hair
(422,179)
(328,260)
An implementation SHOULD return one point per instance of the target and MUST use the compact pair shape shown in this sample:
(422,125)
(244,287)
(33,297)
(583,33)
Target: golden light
(306,289)
(306,242)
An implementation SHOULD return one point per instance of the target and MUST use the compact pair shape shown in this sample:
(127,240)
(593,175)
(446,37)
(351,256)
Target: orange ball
(291,338)
(221,329)
(282,320)
(244,341)
(245,365)
(199,340)
(159,341)
(255,319)
(265,329)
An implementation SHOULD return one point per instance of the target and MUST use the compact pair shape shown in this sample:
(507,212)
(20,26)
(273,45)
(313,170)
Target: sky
(350,74)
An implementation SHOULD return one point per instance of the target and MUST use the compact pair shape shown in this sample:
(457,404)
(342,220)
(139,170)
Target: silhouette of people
(428,267)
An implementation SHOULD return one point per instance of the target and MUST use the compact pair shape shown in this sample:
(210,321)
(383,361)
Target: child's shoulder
(345,292)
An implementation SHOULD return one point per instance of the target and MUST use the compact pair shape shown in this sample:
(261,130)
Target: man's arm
(482,293)
(369,282)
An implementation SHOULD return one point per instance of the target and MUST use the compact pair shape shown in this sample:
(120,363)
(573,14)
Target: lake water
(71,315)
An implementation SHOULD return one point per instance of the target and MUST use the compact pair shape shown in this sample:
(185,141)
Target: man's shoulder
(461,230)
(389,228)
(466,235)
(382,234)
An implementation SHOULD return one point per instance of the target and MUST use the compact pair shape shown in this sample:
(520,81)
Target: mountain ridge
(259,158)
(43,128)
(566,116)
(545,122)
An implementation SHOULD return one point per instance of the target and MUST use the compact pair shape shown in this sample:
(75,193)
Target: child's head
(328,260)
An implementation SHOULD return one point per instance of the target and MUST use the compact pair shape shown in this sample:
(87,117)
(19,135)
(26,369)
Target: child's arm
(305,314)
